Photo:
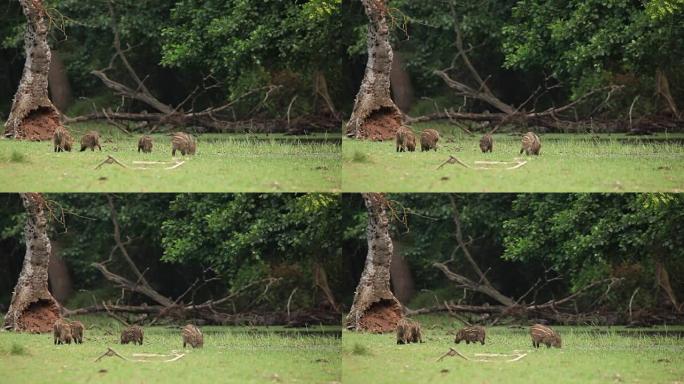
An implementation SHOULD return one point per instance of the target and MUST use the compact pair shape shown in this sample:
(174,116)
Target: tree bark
(33,309)
(375,116)
(58,83)
(375,308)
(33,116)
(402,88)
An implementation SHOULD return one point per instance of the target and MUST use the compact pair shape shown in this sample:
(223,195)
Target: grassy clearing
(589,355)
(230,355)
(224,162)
(568,163)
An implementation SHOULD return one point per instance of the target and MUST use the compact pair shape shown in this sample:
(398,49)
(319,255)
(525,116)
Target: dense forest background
(225,48)
(317,47)
(210,245)
(537,246)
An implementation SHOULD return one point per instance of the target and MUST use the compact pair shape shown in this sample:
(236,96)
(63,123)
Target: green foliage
(575,238)
(588,237)
(251,44)
(246,237)
(578,39)
(228,37)
(424,34)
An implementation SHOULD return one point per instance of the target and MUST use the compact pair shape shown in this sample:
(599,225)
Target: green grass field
(568,163)
(589,355)
(224,162)
(230,355)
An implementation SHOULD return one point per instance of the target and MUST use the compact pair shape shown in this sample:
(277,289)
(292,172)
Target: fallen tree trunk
(298,125)
(302,317)
(220,119)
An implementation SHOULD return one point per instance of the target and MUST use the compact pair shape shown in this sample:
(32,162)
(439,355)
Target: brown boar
(542,334)
(61,332)
(408,332)
(415,334)
(471,335)
(183,143)
(405,140)
(77,331)
(132,334)
(193,336)
(90,140)
(530,144)
(487,143)
(428,140)
(145,144)
(61,140)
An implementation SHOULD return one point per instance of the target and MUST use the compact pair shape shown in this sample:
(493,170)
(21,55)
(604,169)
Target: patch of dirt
(381,125)
(381,317)
(39,125)
(39,317)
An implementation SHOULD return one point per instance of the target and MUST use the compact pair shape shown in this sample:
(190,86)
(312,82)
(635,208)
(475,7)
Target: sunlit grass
(230,355)
(224,162)
(568,163)
(589,355)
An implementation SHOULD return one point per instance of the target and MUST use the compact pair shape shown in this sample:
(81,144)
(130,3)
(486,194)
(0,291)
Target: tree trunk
(33,309)
(400,272)
(375,116)
(663,277)
(58,275)
(321,89)
(375,309)
(58,83)
(663,89)
(33,116)
(402,88)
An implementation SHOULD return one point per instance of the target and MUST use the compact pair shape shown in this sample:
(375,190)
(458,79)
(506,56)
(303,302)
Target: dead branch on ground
(551,117)
(165,114)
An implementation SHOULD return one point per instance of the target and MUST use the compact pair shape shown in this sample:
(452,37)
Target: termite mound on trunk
(472,334)
(183,143)
(542,334)
(405,140)
(77,331)
(132,334)
(408,331)
(428,140)
(91,140)
(193,336)
(145,144)
(487,143)
(61,140)
(61,332)
(530,144)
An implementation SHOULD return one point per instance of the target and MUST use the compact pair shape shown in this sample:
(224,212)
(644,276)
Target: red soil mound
(381,317)
(39,124)
(39,317)
(381,125)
